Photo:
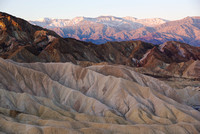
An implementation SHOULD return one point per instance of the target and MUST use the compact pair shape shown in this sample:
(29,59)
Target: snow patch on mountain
(145,56)
(112,21)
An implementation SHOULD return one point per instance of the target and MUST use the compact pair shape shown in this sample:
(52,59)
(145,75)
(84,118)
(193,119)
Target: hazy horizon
(66,9)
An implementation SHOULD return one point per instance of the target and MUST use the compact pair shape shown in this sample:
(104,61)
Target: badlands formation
(67,98)
(49,84)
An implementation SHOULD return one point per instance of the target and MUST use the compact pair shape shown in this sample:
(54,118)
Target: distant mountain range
(109,28)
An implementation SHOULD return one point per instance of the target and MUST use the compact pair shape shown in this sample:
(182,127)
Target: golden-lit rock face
(63,98)
(3,26)
(16,34)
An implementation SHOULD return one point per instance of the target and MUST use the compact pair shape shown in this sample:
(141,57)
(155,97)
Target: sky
(68,9)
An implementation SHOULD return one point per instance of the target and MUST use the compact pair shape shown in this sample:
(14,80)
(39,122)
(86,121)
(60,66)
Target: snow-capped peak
(78,19)
(46,19)
(108,18)
(129,18)
(152,21)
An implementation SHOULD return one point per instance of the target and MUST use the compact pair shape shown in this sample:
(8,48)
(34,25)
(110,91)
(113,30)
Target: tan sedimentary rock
(66,98)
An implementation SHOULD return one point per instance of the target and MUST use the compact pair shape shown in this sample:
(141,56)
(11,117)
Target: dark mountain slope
(22,41)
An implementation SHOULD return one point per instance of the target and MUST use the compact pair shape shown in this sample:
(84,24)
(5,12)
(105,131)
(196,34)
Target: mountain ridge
(110,28)
(99,19)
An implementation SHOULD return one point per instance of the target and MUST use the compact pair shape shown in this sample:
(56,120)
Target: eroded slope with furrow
(63,97)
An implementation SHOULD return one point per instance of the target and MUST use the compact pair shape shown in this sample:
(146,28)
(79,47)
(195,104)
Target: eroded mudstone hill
(63,98)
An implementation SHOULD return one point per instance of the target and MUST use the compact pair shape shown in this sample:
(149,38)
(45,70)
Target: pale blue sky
(35,9)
